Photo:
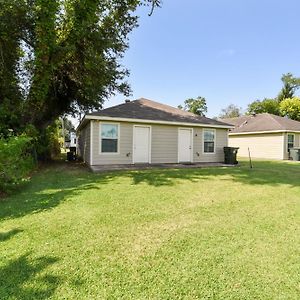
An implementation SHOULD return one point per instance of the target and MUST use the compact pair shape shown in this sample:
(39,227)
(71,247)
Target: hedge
(16,161)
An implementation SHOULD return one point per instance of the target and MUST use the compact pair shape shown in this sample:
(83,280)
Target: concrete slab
(118,167)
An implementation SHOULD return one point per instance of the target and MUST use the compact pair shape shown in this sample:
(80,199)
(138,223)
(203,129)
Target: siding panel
(221,141)
(125,148)
(164,145)
(268,146)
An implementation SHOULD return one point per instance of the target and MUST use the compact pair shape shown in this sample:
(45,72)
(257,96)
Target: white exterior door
(185,145)
(141,144)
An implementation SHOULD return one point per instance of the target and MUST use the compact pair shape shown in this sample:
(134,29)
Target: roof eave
(105,118)
(263,132)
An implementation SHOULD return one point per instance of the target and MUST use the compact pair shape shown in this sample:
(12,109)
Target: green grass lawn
(216,233)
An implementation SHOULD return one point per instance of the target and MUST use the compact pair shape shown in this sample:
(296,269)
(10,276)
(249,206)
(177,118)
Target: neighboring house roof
(154,112)
(262,123)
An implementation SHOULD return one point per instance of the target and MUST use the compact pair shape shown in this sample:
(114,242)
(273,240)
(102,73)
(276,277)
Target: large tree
(265,106)
(290,85)
(231,111)
(195,105)
(61,56)
(272,105)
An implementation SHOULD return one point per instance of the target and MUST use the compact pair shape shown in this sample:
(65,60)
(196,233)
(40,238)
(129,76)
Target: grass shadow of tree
(17,276)
(4,236)
(47,189)
(264,172)
(53,185)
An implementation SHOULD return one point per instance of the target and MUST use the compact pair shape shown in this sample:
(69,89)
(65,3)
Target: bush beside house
(16,161)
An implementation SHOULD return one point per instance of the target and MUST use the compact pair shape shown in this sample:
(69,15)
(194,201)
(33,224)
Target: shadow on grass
(21,279)
(4,236)
(48,188)
(53,185)
(269,173)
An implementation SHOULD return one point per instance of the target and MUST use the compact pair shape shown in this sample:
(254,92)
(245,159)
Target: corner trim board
(91,143)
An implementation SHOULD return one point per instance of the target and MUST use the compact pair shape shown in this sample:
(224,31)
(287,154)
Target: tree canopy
(290,85)
(231,111)
(291,108)
(265,106)
(195,105)
(272,105)
(61,56)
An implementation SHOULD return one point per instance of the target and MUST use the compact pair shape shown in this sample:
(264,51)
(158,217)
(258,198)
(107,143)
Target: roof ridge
(272,116)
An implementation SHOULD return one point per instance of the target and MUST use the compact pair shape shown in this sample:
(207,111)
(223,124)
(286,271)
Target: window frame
(203,141)
(100,138)
(287,141)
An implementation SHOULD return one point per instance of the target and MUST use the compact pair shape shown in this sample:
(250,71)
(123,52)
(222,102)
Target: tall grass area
(215,233)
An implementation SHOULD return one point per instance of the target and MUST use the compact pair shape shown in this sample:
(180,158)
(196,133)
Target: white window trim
(192,143)
(100,139)
(150,141)
(287,141)
(215,140)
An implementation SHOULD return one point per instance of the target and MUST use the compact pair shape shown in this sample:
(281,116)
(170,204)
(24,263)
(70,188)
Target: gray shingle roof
(150,110)
(262,122)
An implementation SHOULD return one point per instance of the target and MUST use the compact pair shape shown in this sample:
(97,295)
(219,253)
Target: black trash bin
(73,149)
(71,156)
(230,154)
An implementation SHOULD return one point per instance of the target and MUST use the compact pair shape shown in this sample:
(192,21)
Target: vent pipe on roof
(127,100)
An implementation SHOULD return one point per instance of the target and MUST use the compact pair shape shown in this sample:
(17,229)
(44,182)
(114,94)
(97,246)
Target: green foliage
(47,142)
(291,108)
(16,161)
(65,128)
(231,111)
(265,106)
(290,85)
(12,18)
(67,52)
(60,57)
(273,106)
(195,105)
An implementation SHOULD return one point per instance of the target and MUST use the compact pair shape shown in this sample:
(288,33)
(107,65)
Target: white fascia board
(91,117)
(262,132)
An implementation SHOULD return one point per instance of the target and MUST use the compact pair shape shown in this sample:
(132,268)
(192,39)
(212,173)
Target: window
(209,136)
(290,141)
(109,138)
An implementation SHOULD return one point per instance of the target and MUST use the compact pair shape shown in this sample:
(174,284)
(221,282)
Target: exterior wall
(84,143)
(125,146)
(268,145)
(221,141)
(164,144)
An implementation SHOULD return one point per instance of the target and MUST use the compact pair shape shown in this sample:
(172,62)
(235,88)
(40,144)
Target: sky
(228,51)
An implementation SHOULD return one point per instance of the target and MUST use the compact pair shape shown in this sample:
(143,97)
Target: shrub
(16,161)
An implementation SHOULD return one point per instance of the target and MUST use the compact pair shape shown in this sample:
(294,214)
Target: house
(71,142)
(145,131)
(266,135)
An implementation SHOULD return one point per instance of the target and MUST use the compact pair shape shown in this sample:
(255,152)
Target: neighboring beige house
(145,131)
(266,135)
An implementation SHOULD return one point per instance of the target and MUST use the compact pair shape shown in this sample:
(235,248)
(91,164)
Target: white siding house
(144,131)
